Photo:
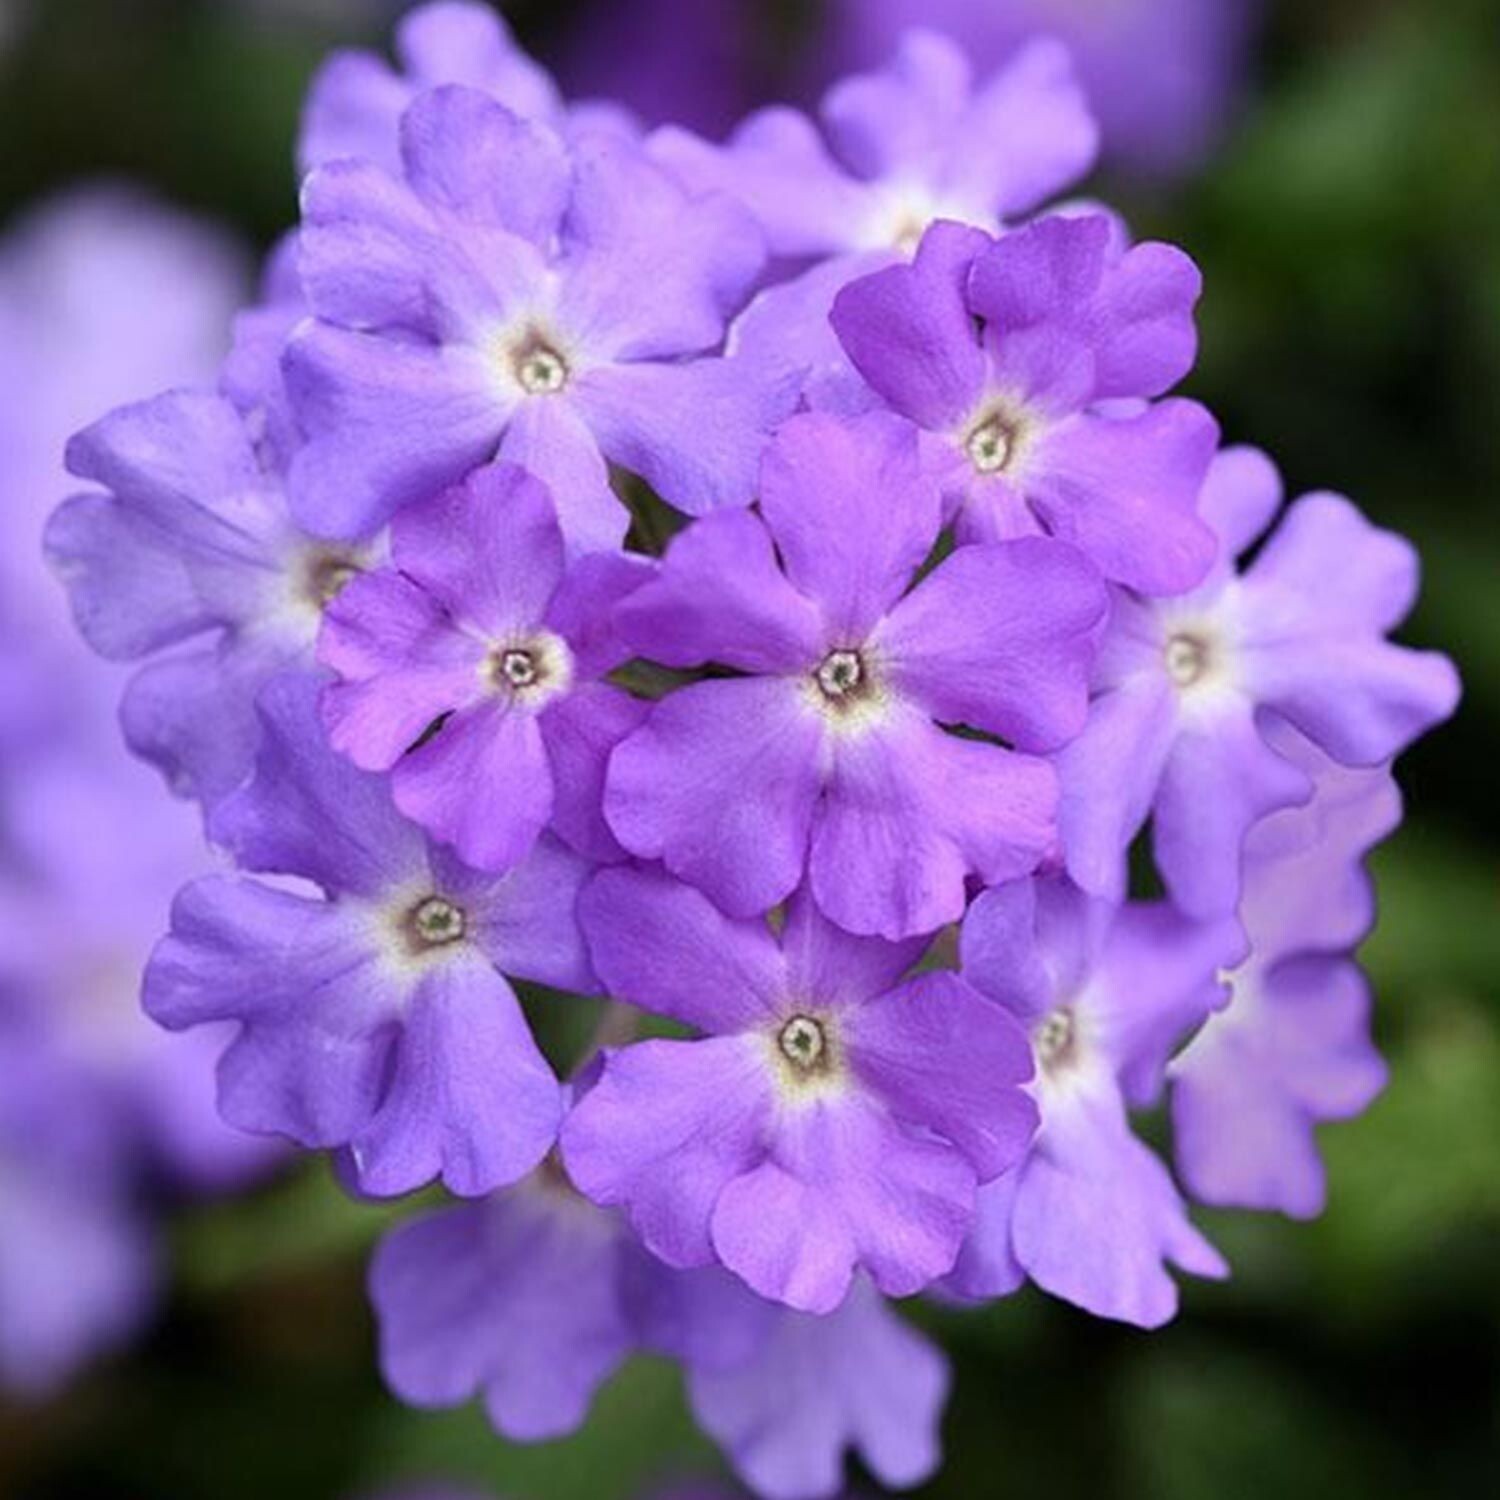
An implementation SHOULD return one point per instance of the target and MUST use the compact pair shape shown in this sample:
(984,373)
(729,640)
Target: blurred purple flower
(917,141)
(1162,75)
(355,103)
(102,294)
(859,1379)
(532,1299)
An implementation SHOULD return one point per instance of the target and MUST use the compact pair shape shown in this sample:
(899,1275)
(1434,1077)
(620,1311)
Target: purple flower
(899,148)
(515,1298)
(831,1117)
(858,1378)
(1184,686)
(1090,1214)
(1160,74)
(1029,362)
(104,295)
(102,1116)
(905,146)
(376,1018)
(1293,1047)
(531,1299)
(356,101)
(77,1263)
(80,914)
(185,553)
(477,629)
(826,752)
(515,297)
(250,376)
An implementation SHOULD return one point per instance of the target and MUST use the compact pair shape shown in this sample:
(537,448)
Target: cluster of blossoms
(757,594)
(105,1120)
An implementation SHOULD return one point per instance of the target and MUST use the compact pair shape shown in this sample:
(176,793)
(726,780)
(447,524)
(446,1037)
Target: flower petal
(720,597)
(307,811)
(1000,638)
(515,1299)
(693,430)
(910,333)
(1125,490)
(549,437)
(663,945)
(852,514)
(945,1059)
(910,811)
(470,1098)
(402,666)
(482,783)
(360,398)
(631,224)
(317,1014)
(489,550)
(665,1129)
(859,1378)
(1097,1219)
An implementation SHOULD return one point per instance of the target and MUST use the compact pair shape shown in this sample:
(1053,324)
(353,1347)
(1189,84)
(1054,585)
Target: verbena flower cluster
(759,594)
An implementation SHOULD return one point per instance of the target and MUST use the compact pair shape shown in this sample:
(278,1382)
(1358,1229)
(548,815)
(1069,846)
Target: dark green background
(1350,234)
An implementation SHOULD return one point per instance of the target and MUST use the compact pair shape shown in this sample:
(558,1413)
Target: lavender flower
(104,294)
(911,144)
(1183,686)
(1293,1047)
(859,1378)
(931,651)
(187,539)
(356,101)
(376,1019)
(824,754)
(102,1117)
(1162,75)
(831,1118)
(532,1299)
(1029,360)
(77,1265)
(476,629)
(492,301)
(1090,1214)
(899,148)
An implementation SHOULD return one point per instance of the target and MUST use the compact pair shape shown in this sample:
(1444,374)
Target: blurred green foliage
(1350,235)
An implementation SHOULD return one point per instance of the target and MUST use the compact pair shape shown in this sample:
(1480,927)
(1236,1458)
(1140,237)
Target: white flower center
(803,1043)
(518,668)
(435,923)
(533,670)
(1055,1038)
(540,369)
(990,445)
(840,675)
(1188,659)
